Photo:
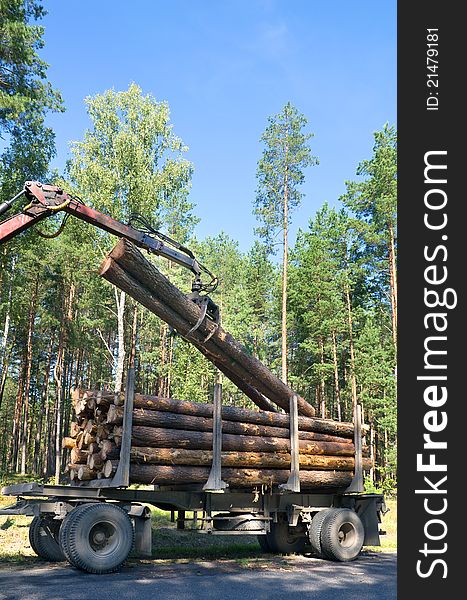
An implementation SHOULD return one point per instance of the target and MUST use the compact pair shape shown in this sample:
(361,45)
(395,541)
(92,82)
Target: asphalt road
(371,577)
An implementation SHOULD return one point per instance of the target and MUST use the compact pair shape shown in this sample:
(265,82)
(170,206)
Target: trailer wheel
(264,544)
(315,532)
(43,537)
(283,539)
(342,535)
(64,535)
(98,538)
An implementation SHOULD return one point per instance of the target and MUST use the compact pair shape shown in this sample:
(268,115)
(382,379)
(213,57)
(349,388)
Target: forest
(319,310)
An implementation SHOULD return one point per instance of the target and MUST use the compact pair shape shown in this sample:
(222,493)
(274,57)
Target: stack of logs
(172,444)
(93,443)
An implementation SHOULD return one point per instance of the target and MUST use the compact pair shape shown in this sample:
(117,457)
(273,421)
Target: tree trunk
(353,380)
(322,381)
(6,325)
(59,378)
(119,368)
(15,439)
(336,377)
(27,383)
(134,335)
(285,261)
(393,286)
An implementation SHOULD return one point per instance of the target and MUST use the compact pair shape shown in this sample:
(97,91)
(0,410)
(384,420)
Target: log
(78,456)
(85,473)
(96,461)
(154,418)
(74,429)
(109,468)
(80,440)
(88,438)
(90,426)
(68,442)
(104,398)
(172,475)
(102,432)
(196,440)
(115,415)
(107,446)
(273,460)
(93,447)
(221,344)
(234,413)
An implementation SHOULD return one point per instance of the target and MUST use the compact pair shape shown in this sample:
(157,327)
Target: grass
(389,524)
(170,544)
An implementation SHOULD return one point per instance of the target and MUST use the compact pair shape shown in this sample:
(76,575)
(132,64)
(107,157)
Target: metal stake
(214,482)
(356,485)
(293,482)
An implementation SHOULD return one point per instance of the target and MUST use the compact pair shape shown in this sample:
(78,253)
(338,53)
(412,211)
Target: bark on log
(272,460)
(153,418)
(196,440)
(134,263)
(233,413)
(172,475)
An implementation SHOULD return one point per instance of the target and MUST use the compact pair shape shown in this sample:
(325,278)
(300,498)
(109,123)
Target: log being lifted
(236,477)
(129,270)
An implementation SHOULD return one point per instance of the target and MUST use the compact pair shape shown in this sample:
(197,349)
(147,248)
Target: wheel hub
(102,535)
(346,535)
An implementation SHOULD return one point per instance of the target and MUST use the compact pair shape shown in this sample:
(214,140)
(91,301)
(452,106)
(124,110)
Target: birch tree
(129,162)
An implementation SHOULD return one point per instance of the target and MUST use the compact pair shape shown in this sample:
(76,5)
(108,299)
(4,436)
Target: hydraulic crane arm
(45,200)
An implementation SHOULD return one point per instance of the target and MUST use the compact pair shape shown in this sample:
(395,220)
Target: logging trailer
(96,524)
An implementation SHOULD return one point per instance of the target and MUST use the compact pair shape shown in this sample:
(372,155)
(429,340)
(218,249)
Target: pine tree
(280,172)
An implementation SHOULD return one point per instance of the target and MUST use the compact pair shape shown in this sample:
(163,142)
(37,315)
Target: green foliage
(373,200)
(131,161)
(23,85)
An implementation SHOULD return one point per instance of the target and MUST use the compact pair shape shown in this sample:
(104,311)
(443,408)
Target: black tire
(342,535)
(315,532)
(233,522)
(263,543)
(64,534)
(43,537)
(283,539)
(98,537)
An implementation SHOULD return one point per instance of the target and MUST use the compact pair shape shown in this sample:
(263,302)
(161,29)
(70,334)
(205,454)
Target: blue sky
(224,67)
